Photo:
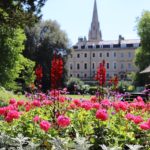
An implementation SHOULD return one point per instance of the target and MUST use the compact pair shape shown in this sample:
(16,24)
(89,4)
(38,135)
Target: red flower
(12,114)
(63,121)
(102,114)
(101,74)
(56,71)
(145,126)
(36,119)
(39,72)
(45,125)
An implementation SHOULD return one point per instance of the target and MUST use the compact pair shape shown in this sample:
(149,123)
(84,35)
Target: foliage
(42,40)
(74,85)
(11,45)
(5,96)
(12,63)
(85,123)
(18,13)
(143,53)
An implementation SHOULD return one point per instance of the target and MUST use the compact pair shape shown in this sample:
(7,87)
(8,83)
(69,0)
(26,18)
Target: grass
(7,95)
(79,96)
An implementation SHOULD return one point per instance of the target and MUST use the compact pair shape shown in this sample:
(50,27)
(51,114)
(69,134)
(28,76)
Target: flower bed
(48,119)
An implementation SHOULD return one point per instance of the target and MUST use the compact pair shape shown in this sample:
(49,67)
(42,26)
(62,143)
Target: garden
(42,109)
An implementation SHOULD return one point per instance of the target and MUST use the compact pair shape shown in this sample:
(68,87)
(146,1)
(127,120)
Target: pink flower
(77,102)
(28,107)
(123,106)
(129,116)
(145,126)
(96,105)
(12,114)
(20,103)
(63,121)
(45,125)
(106,103)
(12,101)
(36,103)
(47,102)
(87,105)
(72,106)
(137,119)
(102,114)
(36,119)
(62,99)
(139,99)
(93,99)
(3,110)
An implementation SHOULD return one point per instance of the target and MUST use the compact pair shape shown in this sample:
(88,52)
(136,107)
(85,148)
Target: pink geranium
(12,101)
(96,105)
(36,103)
(12,114)
(145,126)
(87,105)
(137,119)
(102,114)
(45,125)
(130,116)
(36,119)
(63,121)
(77,102)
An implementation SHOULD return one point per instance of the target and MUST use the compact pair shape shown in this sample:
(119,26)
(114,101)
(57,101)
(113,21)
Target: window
(85,66)
(114,54)
(78,66)
(107,54)
(85,55)
(70,66)
(90,46)
(122,54)
(97,46)
(107,75)
(116,45)
(122,66)
(75,47)
(78,55)
(93,54)
(129,45)
(115,66)
(107,65)
(70,75)
(106,46)
(78,75)
(93,65)
(129,66)
(83,47)
(100,54)
(129,54)
(85,75)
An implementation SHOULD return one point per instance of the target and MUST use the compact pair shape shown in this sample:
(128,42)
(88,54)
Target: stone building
(87,54)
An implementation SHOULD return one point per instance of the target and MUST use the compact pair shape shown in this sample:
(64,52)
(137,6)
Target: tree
(143,53)
(42,40)
(16,13)
(12,62)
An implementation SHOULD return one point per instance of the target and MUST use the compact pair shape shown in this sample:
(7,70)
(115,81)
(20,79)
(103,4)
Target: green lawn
(79,96)
(7,95)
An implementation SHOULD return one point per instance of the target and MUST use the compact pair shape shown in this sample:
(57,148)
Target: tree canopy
(143,53)
(42,40)
(20,12)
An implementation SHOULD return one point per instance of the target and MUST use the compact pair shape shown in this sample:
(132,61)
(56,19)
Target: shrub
(74,85)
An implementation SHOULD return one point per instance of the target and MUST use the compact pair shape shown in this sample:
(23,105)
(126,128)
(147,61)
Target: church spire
(95,33)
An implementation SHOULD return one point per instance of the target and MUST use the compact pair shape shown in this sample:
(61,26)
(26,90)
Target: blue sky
(115,17)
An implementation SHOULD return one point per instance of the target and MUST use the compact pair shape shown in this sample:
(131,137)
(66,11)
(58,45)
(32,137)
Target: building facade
(86,54)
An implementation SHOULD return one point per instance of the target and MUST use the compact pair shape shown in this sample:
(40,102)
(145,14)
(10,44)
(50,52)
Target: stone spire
(95,32)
